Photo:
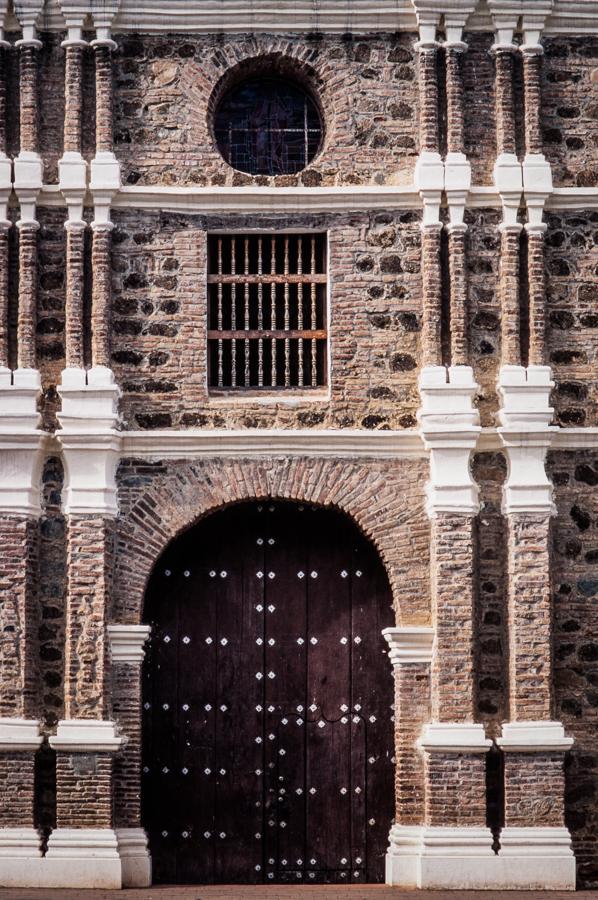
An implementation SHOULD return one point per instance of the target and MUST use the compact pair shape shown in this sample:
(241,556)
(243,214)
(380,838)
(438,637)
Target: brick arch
(384,499)
(203,82)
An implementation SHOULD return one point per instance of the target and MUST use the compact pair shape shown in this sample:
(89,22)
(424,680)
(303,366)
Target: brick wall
(569,109)
(367,87)
(572,293)
(159,311)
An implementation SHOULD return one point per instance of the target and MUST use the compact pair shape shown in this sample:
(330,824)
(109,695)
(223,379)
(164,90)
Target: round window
(268,126)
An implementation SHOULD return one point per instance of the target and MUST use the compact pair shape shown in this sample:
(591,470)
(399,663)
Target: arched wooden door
(267,701)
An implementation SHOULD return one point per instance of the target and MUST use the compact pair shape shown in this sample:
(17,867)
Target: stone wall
(367,88)
(570,110)
(572,293)
(160,313)
(575,592)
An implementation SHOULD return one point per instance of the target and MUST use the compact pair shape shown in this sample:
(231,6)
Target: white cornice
(195,444)
(290,200)
(304,16)
(127,642)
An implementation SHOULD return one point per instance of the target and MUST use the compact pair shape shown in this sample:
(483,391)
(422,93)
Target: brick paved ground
(246,892)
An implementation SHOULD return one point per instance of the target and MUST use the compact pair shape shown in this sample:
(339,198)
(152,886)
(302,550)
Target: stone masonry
(454,194)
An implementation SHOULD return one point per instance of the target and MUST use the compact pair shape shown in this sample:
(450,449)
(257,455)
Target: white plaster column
(410,653)
(127,647)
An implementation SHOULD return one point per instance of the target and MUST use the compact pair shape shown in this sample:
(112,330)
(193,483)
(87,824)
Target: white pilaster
(89,439)
(449,426)
(526,435)
(21,442)
(82,858)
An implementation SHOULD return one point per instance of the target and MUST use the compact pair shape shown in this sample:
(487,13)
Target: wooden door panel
(267,695)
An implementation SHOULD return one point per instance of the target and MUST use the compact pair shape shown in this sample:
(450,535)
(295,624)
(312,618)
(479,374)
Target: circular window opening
(268,126)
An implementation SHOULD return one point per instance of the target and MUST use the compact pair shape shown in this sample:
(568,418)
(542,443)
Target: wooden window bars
(267,319)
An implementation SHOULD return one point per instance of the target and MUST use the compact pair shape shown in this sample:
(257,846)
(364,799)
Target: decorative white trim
(534,737)
(264,200)
(89,440)
(135,857)
(85,736)
(127,642)
(409,644)
(21,442)
(449,426)
(526,435)
(19,843)
(449,858)
(454,737)
(197,443)
(537,841)
(82,857)
(19,734)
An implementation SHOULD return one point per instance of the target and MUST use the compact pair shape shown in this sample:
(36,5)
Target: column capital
(409,644)
(90,441)
(449,426)
(454,737)
(534,737)
(127,642)
(85,736)
(526,435)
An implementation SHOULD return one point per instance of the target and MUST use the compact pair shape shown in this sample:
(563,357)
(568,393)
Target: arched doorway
(267,701)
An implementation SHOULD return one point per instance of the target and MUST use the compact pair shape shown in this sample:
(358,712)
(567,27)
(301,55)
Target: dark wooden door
(267,700)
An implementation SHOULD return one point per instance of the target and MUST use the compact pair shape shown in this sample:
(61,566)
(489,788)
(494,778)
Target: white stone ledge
(454,737)
(297,200)
(85,736)
(534,737)
(135,858)
(19,734)
(195,443)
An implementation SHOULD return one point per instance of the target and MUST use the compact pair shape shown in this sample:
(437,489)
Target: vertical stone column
(534,842)
(537,293)
(83,850)
(510,237)
(432,292)
(454,745)
(127,651)
(26,356)
(410,652)
(75,261)
(5,191)
(102,293)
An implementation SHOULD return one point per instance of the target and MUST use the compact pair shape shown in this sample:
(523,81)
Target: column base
(82,858)
(135,857)
(445,858)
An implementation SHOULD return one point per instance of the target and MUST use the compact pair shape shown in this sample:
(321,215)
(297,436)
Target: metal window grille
(267,322)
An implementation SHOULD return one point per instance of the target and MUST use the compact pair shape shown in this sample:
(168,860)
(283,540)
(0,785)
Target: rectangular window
(267,319)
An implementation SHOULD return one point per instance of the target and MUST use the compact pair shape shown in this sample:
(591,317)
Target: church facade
(299,443)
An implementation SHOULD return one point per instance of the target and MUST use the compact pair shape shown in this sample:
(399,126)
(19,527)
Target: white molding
(197,443)
(454,737)
(409,644)
(81,858)
(289,200)
(449,426)
(135,857)
(534,737)
(267,200)
(19,734)
(526,434)
(538,840)
(85,736)
(18,843)
(89,440)
(127,642)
